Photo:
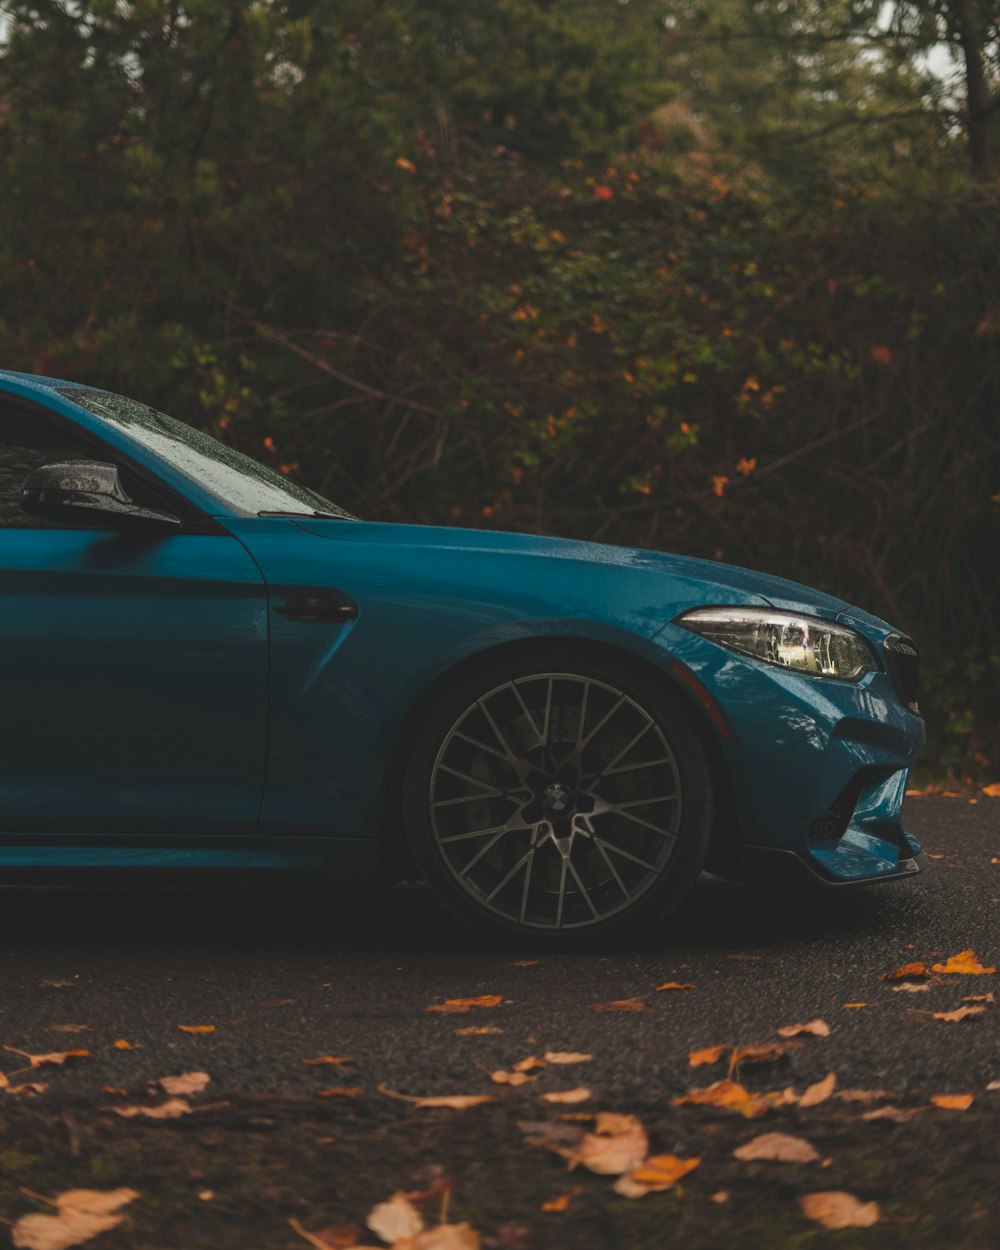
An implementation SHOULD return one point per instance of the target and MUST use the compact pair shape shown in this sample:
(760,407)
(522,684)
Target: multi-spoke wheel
(559,800)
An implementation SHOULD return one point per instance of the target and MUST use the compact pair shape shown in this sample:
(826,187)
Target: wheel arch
(395,861)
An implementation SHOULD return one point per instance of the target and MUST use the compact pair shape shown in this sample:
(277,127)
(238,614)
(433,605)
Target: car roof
(39,382)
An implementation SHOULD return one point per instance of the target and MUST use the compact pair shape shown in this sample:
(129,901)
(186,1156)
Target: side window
(27,442)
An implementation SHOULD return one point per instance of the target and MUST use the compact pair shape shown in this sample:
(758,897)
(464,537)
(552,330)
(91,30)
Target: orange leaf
(324,1059)
(197,1028)
(454,1005)
(567,1056)
(477,1030)
(953,1102)
(907,971)
(621,1004)
(510,1078)
(172,1109)
(660,1172)
(731,1096)
(820,1092)
(762,1052)
(121,1044)
(675,985)
(340,1091)
(853,1006)
(710,1054)
(966,963)
(57,1057)
(992,790)
(529,1064)
(558,1204)
(962,1013)
(580,1094)
(815,1028)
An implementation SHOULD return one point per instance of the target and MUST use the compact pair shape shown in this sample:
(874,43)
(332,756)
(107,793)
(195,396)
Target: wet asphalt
(286,973)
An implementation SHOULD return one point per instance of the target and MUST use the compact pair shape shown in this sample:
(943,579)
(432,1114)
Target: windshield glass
(238,481)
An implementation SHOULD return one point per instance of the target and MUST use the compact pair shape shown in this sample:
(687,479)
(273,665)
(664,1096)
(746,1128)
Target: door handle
(319,605)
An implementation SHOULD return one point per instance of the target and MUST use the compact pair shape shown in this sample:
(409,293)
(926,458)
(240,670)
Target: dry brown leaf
(457,1102)
(910,987)
(815,1028)
(618,1144)
(186,1083)
(38,1061)
(675,985)
(341,1237)
(762,1052)
(720,1196)
(395,1218)
(510,1078)
(458,1005)
(813,1095)
(897,1115)
(477,1030)
(965,963)
(82,1214)
(443,1237)
(777,1148)
(962,1013)
(905,971)
(559,1203)
(530,1064)
(580,1094)
(731,1096)
(567,1056)
(320,1060)
(836,1209)
(865,1095)
(197,1028)
(993,1085)
(26,1087)
(340,1091)
(953,1102)
(980,998)
(172,1109)
(620,1004)
(710,1054)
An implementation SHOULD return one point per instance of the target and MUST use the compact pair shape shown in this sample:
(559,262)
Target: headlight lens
(804,643)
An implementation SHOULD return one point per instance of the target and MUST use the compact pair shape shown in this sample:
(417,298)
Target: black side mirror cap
(87,490)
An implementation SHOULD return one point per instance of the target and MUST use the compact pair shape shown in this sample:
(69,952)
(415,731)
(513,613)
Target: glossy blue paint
(160,696)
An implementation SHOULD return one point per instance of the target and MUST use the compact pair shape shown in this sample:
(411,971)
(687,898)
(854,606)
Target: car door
(133,668)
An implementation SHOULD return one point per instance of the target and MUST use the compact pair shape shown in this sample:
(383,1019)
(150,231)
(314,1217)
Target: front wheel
(560,801)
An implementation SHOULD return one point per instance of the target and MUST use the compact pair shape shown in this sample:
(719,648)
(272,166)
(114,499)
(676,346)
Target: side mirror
(86,490)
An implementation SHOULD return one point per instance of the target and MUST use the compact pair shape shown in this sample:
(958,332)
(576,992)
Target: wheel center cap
(557,798)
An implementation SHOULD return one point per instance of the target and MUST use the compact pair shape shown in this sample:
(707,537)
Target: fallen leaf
(836,1209)
(962,1013)
(325,1059)
(731,1096)
(675,985)
(662,1171)
(172,1109)
(897,1115)
(815,1028)
(853,1006)
(710,1054)
(394,1219)
(992,790)
(340,1091)
(530,1064)
(26,1087)
(953,1102)
(965,963)
(762,1052)
(477,1030)
(197,1028)
(910,987)
(820,1092)
(618,1144)
(186,1083)
(559,1203)
(56,985)
(580,1094)
(121,1044)
(523,963)
(510,1078)
(344,1237)
(69,1028)
(457,1102)
(621,1004)
(905,971)
(442,1237)
(980,998)
(865,1095)
(567,1056)
(456,1005)
(57,1057)
(777,1148)
(993,1085)
(82,1214)
(720,1196)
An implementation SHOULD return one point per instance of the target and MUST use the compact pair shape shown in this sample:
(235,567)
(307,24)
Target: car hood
(457,544)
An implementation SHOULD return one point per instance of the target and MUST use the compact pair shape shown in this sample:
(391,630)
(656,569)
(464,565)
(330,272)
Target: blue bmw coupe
(208,665)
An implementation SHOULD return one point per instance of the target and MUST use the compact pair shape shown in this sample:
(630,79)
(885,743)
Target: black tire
(561,798)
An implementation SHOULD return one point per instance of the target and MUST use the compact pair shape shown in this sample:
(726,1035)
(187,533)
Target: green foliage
(526,265)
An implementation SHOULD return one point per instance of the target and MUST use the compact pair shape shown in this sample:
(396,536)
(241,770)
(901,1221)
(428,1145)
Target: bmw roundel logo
(556,798)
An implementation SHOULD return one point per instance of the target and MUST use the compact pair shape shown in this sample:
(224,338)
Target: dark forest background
(721,277)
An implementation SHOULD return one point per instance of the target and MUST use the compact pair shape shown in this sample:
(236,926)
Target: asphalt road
(287,974)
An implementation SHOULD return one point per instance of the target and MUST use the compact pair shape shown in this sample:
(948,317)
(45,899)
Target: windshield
(242,483)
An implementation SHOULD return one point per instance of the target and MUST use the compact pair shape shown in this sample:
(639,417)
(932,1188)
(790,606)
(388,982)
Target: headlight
(804,643)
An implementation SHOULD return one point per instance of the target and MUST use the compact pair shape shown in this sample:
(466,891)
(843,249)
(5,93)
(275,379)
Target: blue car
(208,665)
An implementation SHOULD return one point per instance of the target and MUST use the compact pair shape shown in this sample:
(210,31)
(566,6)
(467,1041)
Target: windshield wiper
(325,516)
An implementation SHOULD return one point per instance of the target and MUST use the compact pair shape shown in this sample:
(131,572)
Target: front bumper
(818,767)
